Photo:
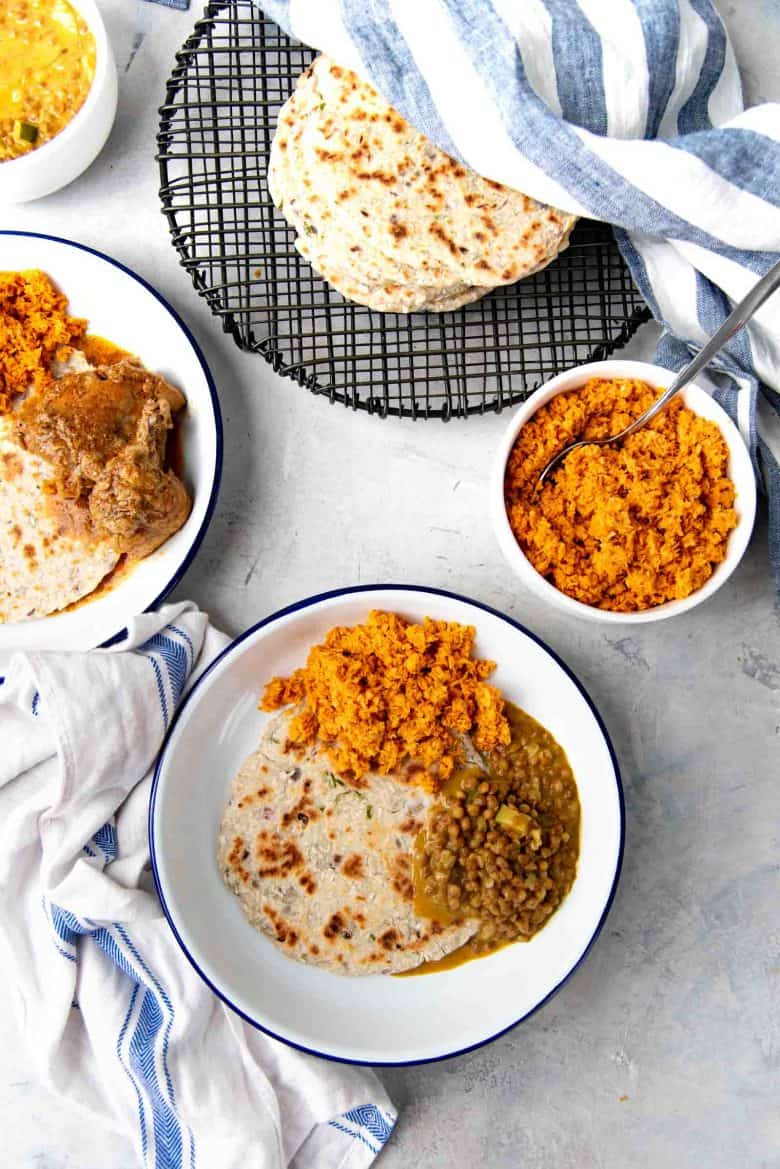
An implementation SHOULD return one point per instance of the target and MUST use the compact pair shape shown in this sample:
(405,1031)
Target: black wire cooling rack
(216,127)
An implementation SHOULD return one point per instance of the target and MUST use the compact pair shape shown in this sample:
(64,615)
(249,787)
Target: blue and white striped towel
(117,1020)
(629,111)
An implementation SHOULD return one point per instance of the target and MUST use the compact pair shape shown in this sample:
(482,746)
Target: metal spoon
(732,324)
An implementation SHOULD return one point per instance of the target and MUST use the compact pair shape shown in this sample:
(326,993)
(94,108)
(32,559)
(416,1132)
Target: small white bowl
(377,1019)
(740,471)
(58,162)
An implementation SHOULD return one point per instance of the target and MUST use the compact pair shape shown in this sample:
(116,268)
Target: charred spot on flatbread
(11,463)
(353,866)
(276,857)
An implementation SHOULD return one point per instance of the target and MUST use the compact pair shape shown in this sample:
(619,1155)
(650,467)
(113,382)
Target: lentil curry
(502,844)
(47,64)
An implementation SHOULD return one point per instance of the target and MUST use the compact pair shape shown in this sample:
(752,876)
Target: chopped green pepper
(25,132)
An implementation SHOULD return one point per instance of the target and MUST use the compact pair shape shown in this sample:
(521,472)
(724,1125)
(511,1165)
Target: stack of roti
(384,215)
(326,868)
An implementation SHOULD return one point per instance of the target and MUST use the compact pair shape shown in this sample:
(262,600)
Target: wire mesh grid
(216,127)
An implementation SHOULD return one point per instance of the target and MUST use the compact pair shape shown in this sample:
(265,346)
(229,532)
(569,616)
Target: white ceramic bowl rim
(306,603)
(121,634)
(92,17)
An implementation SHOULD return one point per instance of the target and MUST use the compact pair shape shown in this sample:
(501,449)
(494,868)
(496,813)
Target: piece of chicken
(135,503)
(82,420)
(104,433)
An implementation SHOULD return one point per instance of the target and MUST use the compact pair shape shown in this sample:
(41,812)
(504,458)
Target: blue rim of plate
(307,603)
(121,634)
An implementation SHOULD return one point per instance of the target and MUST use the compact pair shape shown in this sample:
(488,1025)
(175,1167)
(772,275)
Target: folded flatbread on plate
(326,869)
(43,568)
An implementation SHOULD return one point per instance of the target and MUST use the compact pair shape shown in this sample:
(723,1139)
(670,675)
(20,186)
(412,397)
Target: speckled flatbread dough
(369,278)
(388,297)
(326,869)
(355,270)
(43,568)
(384,205)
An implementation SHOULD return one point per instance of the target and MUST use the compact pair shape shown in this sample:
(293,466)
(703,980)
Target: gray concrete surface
(663,1048)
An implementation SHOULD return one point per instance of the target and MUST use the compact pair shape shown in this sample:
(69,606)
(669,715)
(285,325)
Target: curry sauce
(47,65)
(501,844)
(100,351)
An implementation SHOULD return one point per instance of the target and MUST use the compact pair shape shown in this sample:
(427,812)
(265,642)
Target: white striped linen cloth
(628,111)
(118,1022)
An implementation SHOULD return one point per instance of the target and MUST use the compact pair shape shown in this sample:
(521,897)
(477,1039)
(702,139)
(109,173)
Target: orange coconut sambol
(391,690)
(627,526)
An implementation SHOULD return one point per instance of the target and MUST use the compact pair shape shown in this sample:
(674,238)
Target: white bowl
(125,309)
(57,162)
(377,1019)
(739,468)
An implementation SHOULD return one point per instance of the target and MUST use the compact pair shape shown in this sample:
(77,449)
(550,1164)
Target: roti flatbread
(388,296)
(44,567)
(376,203)
(326,869)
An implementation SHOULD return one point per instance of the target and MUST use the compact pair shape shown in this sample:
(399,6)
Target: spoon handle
(732,324)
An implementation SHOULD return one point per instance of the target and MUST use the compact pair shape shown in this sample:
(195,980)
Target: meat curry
(104,433)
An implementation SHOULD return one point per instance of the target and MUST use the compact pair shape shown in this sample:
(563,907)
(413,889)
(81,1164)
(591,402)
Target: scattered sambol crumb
(387,691)
(626,526)
(34,329)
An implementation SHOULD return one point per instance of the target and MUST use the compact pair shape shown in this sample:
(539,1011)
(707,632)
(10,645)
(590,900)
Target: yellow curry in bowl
(47,65)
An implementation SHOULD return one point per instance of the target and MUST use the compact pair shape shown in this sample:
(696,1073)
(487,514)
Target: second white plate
(123,308)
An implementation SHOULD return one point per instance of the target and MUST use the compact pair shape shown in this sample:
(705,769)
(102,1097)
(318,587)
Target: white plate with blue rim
(123,308)
(376,1019)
